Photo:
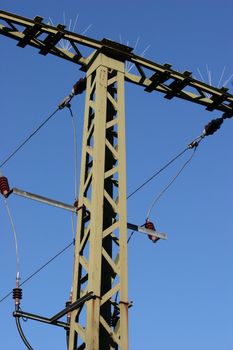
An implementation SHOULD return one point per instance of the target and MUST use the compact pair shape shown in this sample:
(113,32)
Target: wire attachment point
(196,142)
(66,102)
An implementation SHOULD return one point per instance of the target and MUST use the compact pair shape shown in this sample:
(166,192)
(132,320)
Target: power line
(209,129)
(29,137)
(41,268)
(75,151)
(158,172)
(157,198)
(78,88)
(14,234)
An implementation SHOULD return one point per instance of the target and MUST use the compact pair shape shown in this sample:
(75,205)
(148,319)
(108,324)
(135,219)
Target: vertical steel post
(101,240)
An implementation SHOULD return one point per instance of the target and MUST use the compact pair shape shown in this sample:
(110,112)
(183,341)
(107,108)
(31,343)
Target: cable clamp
(66,101)
(196,142)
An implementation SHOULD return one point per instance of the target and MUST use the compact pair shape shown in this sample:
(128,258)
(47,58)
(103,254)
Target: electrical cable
(158,172)
(75,152)
(15,236)
(209,129)
(41,268)
(28,138)
(75,175)
(73,225)
(73,233)
(78,88)
(170,183)
(131,234)
(21,333)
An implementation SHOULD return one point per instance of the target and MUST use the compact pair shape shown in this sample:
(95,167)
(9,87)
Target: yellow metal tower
(101,240)
(99,307)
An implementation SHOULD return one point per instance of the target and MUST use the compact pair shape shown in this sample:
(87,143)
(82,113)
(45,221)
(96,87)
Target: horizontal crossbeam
(157,77)
(42,199)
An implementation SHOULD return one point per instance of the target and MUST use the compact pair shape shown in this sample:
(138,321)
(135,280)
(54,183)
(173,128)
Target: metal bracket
(54,319)
(146,231)
(74,209)
(45,200)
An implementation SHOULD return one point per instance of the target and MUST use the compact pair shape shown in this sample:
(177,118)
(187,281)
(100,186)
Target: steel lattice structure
(101,320)
(101,245)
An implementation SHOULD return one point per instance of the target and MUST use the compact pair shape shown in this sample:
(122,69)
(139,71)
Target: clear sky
(181,288)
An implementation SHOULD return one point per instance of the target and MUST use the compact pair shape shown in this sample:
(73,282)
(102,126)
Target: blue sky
(181,288)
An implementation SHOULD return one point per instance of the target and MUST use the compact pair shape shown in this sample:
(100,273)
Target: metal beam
(72,307)
(158,77)
(38,318)
(54,319)
(45,200)
(72,208)
(146,231)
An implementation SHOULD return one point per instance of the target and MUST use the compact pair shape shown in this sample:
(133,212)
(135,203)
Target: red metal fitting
(150,226)
(4,186)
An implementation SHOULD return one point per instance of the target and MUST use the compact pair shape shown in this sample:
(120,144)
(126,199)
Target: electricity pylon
(101,243)
(100,293)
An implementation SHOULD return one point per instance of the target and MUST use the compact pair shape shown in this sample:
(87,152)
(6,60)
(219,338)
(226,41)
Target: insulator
(150,226)
(4,186)
(17,294)
(212,126)
(80,86)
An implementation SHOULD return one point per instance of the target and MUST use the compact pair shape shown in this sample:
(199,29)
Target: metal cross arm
(157,77)
(29,32)
(178,85)
(74,209)
(146,231)
(44,200)
(54,319)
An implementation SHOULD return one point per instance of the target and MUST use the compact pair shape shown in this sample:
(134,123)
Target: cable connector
(195,142)
(77,89)
(66,102)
